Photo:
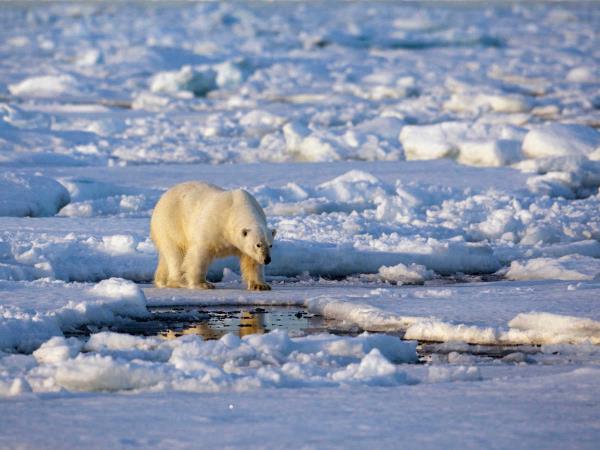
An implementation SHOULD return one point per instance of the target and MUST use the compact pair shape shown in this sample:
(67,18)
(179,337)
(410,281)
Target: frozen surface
(432,171)
(455,414)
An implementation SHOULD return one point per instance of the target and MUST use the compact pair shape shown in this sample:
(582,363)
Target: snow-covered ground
(433,172)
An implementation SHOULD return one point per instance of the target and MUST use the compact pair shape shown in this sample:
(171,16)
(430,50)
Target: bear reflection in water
(249,323)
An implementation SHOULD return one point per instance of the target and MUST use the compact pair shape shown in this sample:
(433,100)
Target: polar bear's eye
(258,245)
(271,246)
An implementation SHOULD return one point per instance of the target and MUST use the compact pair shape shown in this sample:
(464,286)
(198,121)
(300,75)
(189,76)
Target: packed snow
(433,173)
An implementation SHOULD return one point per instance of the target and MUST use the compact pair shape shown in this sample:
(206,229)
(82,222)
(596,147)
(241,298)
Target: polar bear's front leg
(253,273)
(195,267)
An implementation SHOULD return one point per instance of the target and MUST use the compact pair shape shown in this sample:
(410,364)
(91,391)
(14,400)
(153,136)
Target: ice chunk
(429,141)
(440,374)
(188,79)
(17,117)
(89,57)
(57,350)
(257,123)
(305,145)
(546,328)
(354,186)
(402,274)
(229,276)
(502,103)
(366,316)
(569,267)
(26,195)
(583,74)
(373,369)
(47,86)
(87,188)
(16,386)
(558,139)
(438,331)
(103,373)
(231,73)
(25,331)
(567,176)
(475,144)
(553,184)
(496,153)
(122,290)
(108,341)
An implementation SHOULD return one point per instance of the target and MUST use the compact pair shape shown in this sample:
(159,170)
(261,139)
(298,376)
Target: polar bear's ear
(273,232)
(245,232)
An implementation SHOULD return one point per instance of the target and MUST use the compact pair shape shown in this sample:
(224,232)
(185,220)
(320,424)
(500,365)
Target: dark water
(215,322)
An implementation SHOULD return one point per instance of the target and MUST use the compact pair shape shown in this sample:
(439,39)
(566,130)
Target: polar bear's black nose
(267,260)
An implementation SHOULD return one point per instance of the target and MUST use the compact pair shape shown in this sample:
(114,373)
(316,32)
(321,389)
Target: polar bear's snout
(264,255)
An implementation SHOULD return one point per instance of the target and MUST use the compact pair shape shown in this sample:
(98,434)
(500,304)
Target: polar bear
(194,223)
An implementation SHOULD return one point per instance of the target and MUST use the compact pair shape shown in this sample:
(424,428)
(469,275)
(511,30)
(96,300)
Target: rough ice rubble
(487,145)
(474,144)
(92,198)
(85,257)
(340,78)
(353,223)
(200,80)
(116,362)
(24,326)
(76,257)
(562,176)
(113,362)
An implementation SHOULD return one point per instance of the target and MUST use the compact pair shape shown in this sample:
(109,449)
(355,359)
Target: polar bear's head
(257,244)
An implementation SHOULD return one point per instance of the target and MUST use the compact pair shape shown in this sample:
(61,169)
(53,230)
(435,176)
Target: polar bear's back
(174,211)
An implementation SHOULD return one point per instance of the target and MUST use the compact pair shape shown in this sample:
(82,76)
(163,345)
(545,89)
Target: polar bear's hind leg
(195,266)
(170,258)
(161,275)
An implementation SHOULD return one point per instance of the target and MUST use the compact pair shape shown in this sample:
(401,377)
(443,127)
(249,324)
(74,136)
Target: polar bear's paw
(170,284)
(258,286)
(201,285)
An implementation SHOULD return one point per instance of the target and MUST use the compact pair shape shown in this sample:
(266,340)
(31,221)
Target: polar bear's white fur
(194,223)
